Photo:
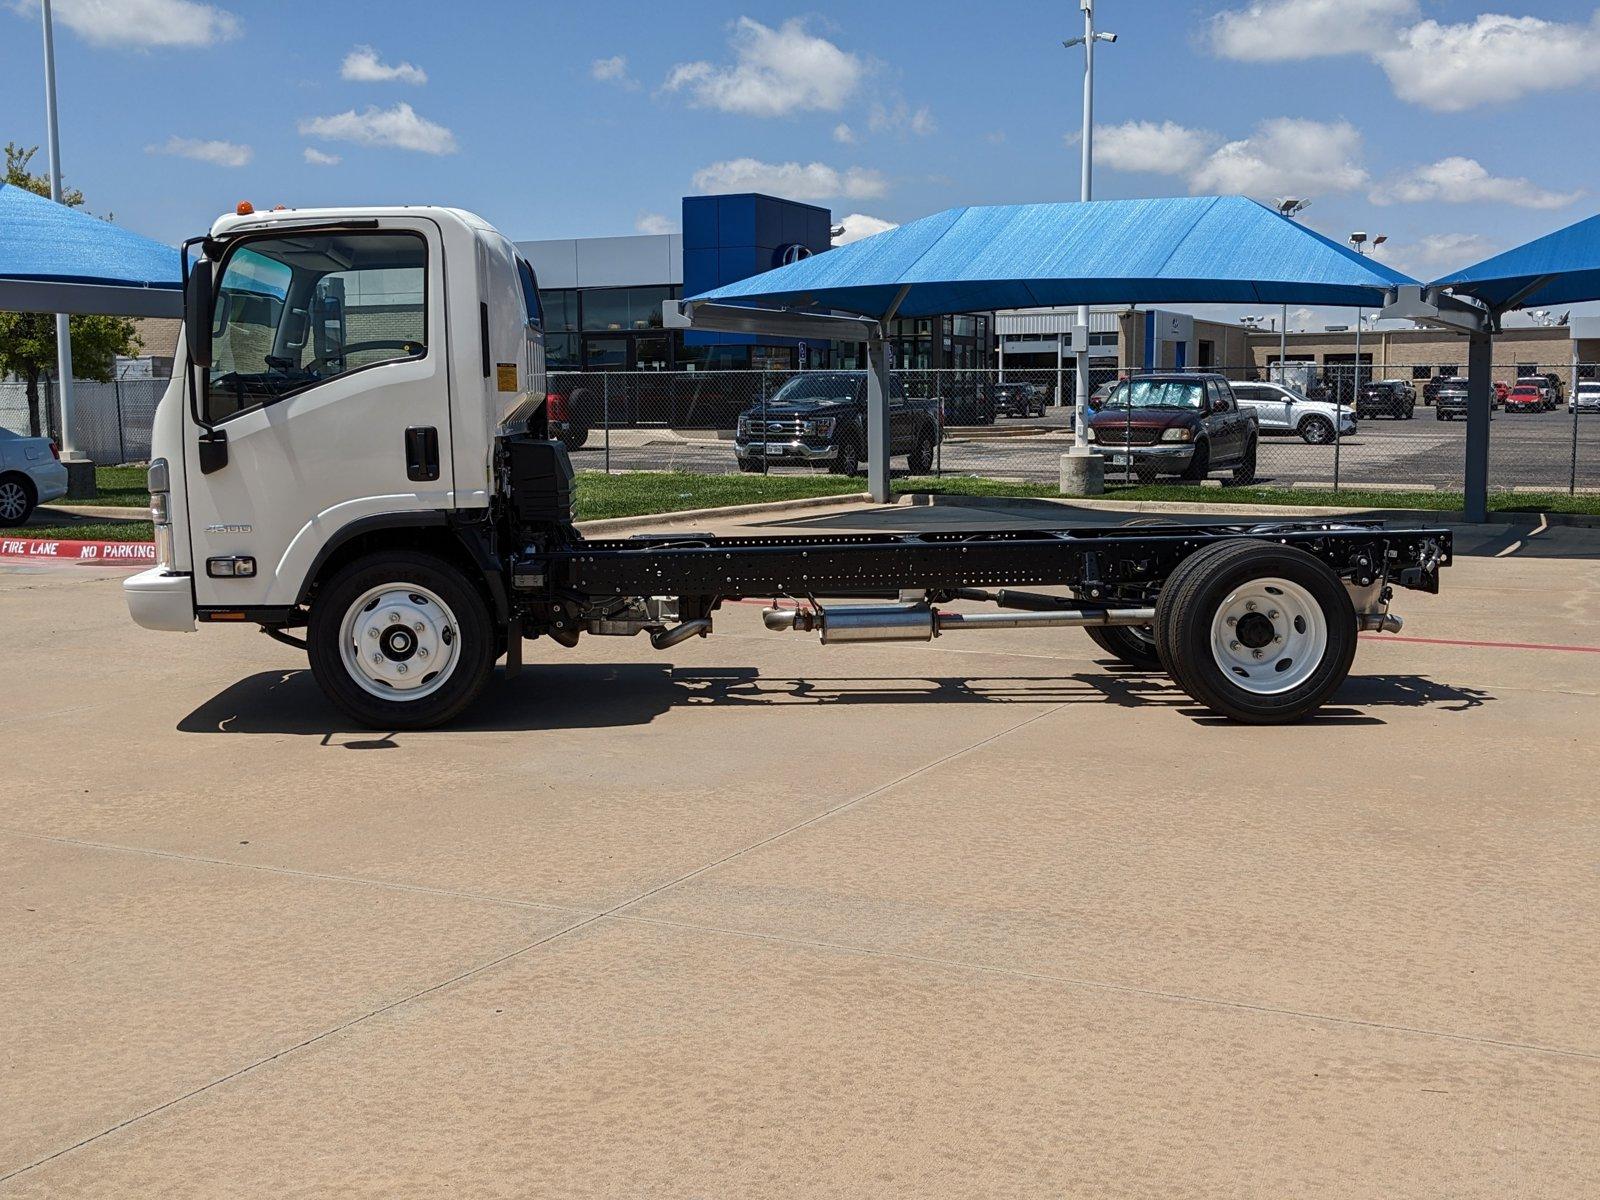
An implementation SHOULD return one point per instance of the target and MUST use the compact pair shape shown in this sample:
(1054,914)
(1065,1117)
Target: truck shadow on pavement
(600,695)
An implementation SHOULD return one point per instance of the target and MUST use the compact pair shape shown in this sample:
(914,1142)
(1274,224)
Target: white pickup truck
(355,456)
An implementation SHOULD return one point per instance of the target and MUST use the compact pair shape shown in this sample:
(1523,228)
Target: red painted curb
(95,554)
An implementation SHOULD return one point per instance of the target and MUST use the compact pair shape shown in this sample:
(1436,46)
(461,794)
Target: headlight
(744,426)
(159,480)
(820,427)
(1178,433)
(1088,433)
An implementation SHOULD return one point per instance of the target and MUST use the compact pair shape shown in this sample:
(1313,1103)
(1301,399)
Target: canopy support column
(1480,358)
(878,447)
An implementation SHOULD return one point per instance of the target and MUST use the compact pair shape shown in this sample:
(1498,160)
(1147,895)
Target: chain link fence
(1342,427)
(111,420)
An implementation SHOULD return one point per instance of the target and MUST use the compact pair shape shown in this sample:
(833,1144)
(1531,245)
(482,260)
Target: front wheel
(1258,632)
(400,640)
(848,461)
(1200,464)
(1316,431)
(920,460)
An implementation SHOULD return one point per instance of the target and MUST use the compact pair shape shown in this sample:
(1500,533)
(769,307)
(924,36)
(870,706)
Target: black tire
(1245,472)
(1411,411)
(848,462)
(1200,465)
(1316,431)
(1122,642)
(574,436)
(473,632)
(17,500)
(1185,613)
(920,460)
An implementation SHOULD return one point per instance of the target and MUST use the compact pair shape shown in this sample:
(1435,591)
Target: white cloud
(649,222)
(318,159)
(141,24)
(844,135)
(1458,180)
(810,181)
(859,225)
(775,72)
(217,153)
(613,70)
(1432,255)
(995,137)
(1285,155)
(1494,59)
(1164,149)
(1279,30)
(901,119)
(399,127)
(362,65)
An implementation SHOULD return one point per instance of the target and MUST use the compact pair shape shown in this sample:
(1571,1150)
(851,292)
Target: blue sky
(1456,128)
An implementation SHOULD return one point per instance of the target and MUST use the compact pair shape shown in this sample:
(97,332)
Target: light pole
(1287,206)
(1078,468)
(1358,242)
(63,323)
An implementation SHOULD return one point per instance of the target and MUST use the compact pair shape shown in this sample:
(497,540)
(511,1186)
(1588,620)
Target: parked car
(1451,402)
(1502,389)
(820,418)
(1386,398)
(1182,423)
(1586,398)
(1527,397)
(1282,410)
(1548,387)
(1018,399)
(31,474)
(570,411)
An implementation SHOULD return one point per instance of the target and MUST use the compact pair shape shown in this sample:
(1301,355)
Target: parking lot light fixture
(1291,207)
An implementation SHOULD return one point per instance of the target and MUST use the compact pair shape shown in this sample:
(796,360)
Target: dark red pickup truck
(1185,423)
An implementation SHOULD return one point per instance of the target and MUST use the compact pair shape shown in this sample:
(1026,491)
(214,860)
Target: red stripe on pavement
(115,554)
(1392,637)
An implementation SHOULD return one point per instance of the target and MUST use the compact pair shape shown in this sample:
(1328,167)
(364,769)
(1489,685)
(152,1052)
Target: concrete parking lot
(760,918)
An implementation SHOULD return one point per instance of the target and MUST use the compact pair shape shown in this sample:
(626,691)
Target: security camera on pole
(1082,470)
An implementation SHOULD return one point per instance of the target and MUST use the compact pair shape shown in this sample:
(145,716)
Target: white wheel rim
(1269,636)
(400,642)
(13,500)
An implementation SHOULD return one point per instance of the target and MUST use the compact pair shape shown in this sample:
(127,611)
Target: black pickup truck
(820,418)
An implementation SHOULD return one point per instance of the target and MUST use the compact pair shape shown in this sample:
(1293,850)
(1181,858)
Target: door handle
(422,453)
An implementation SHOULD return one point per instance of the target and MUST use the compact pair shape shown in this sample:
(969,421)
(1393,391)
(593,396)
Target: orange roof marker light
(244,208)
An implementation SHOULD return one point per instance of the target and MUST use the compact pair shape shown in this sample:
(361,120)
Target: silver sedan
(30,474)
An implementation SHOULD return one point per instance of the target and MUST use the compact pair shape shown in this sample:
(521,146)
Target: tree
(28,340)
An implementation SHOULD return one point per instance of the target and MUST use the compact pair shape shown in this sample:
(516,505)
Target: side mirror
(197,300)
(1220,404)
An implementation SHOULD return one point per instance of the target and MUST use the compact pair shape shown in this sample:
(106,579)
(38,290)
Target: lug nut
(402,667)
(1253,654)
(377,658)
(373,631)
(1233,620)
(1233,645)
(1250,605)
(1272,614)
(1277,641)
(394,618)
(423,652)
(418,626)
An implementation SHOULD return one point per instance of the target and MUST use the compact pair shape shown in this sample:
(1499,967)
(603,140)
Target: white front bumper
(158,600)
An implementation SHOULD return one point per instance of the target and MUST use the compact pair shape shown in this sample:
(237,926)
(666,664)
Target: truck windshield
(817,385)
(296,310)
(1158,393)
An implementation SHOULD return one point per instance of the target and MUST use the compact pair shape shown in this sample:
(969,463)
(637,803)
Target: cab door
(1226,423)
(327,398)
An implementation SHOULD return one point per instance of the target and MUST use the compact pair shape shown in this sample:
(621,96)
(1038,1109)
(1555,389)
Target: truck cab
(349,383)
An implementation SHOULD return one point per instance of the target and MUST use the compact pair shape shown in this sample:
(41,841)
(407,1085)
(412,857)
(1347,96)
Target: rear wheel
(1245,472)
(400,641)
(16,500)
(1258,632)
(1132,644)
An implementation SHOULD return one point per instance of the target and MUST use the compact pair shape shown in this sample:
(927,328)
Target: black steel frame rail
(710,565)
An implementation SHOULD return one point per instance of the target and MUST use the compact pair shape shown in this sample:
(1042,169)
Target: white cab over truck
(354,456)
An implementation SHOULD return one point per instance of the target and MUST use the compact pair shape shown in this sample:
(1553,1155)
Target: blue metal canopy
(57,259)
(1559,268)
(1181,250)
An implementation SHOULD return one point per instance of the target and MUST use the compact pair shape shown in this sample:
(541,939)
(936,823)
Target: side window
(1245,393)
(297,310)
(530,293)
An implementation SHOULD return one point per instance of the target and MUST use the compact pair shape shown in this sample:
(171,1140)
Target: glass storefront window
(605,354)
(560,310)
(561,352)
(607,309)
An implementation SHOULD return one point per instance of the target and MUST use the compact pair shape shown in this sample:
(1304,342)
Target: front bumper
(1172,457)
(160,600)
(50,480)
(788,451)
